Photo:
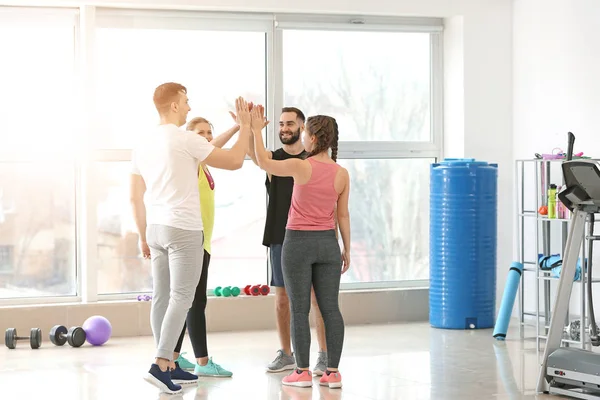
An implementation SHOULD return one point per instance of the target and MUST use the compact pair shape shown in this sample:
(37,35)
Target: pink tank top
(314,202)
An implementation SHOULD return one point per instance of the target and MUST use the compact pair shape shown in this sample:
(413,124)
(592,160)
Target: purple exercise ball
(97,330)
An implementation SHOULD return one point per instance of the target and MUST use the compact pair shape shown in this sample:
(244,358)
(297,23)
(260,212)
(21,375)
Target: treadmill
(568,371)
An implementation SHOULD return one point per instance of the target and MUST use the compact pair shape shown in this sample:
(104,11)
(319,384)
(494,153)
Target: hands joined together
(249,114)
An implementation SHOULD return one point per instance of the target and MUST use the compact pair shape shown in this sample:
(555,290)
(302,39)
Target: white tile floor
(379,362)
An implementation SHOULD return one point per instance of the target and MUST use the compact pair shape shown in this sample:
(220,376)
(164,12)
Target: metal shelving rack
(543,178)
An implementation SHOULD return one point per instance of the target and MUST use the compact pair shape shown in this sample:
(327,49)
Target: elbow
(234,165)
(238,164)
(239,161)
(345,216)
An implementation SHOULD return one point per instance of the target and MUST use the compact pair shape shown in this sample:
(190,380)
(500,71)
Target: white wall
(487,89)
(557,84)
(478,83)
(454,92)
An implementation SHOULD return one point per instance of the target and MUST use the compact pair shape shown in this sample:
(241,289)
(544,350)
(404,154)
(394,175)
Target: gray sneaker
(282,362)
(321,366)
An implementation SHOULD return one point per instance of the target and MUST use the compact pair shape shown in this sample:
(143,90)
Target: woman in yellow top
(196,320)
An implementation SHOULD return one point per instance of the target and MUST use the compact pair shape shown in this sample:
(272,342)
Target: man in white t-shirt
(166,206)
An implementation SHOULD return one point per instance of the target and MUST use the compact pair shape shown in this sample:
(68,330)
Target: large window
(37,182)
(389,219)
(77,87)
(216,66)
(121,267)
(238,256)
(379,86)
(37,229)
(37,81)
(364,79)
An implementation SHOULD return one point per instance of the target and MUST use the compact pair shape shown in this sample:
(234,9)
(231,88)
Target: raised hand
(258,118)
(234,117)
(243,112)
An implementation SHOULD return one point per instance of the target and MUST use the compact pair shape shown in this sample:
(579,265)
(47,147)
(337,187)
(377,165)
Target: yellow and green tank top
(206,185)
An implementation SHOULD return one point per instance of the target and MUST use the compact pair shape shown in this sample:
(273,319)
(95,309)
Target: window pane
(37,230)
(238,256)
(389,219)
(121,268)
(215,67)
(376,84)
(37,79)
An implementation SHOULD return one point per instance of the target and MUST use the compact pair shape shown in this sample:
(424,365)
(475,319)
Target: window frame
(172,20)
(88,18)
(375,149)
(47,16)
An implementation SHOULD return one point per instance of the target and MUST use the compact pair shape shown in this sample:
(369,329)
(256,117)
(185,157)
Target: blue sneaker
(184,363)
(182,377)
(162,380)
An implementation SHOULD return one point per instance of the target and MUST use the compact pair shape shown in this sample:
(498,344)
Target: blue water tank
(462,244)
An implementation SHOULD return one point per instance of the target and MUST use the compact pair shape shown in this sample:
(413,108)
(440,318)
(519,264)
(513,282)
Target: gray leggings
(177,256)
(313,258)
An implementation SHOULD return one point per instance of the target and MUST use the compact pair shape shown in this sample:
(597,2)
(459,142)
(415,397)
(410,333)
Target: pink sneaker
(298,378)
(331,379)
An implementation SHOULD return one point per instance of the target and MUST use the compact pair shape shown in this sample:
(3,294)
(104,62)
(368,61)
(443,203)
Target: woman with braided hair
(311,254)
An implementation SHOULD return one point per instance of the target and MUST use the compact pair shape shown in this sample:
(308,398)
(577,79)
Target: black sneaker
(162,380)
(179,376)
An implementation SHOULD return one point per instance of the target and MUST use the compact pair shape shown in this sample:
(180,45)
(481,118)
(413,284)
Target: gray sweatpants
(177,256)
(313,258)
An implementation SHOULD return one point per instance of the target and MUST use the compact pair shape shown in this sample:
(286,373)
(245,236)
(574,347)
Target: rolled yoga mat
(508,300)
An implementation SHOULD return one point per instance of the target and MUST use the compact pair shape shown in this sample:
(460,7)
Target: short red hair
(166,94)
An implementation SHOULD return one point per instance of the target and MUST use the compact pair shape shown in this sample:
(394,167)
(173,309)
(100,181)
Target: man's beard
(293,139)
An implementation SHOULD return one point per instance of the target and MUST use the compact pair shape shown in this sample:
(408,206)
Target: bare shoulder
(342,180)
(343,174)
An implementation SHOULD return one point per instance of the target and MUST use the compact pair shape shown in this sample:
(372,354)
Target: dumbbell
(227,291)
(144,297)
(256,290)
(265,290)
(59,335)
(11,338)
(252,290)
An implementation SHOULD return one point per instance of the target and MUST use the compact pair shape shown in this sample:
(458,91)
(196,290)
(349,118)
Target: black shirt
(280,191)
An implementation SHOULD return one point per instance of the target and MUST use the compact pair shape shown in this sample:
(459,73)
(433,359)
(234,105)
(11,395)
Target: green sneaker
(184,363)
(211,369)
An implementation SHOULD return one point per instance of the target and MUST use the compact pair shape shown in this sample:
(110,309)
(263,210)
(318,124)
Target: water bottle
(552,201)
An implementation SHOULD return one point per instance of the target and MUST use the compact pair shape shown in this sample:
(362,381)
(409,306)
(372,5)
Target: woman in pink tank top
(311,253)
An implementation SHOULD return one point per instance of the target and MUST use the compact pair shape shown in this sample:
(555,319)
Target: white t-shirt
(168,160)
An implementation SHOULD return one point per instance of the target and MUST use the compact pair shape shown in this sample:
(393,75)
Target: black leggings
(196,320)
(313,258)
